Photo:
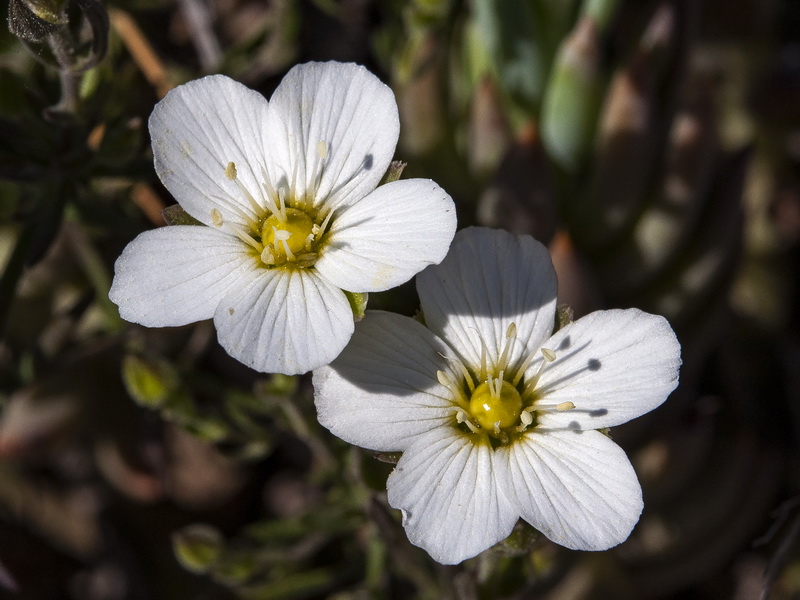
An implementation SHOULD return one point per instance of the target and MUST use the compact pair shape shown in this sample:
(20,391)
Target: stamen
(526,418)
(490,383)
(232,175)
(467,376)
(472,427)
(282,207)
(244,237)
(257,208)
(289,254)
(484,352)
(322,154)
(271,193)
(549,356)
(325,223)
(235,207)
(452,385)
(216,217)
(511,335)
(309,241)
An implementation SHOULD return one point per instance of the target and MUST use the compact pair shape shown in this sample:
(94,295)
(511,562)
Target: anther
(267,257)
(230,171)
(549,356)
(443,378)
(565,406)
(216,217)
(322,149)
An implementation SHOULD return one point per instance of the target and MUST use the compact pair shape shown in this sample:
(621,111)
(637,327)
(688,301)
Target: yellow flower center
(495,404)
(499,400)
(287,239)
(282,229)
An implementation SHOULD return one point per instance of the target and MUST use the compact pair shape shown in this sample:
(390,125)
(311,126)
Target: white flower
(496,418)
(286,191)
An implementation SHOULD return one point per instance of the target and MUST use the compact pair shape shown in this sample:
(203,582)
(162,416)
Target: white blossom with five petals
(497,417)
(291,214)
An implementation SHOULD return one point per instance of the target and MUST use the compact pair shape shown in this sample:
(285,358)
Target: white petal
(446,487)
(339,111)
(490,279)
(177,275)
(287,321)
(577,488)
(382,391)
(389,236)
(196,130)
(613,365)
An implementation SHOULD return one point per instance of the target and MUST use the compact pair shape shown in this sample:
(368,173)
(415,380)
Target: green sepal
(564,316)
(521,541)
(277,385)
(175,215)
(394,171)
(388,457)
(197,547)
(358,303)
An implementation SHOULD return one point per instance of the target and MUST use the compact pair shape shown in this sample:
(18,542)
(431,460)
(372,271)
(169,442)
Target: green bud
(572,99)
(34,20)
(149,382)
(208,429)
(197,547)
